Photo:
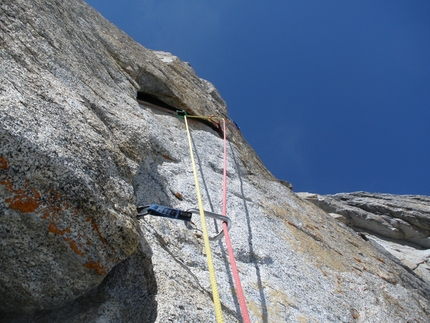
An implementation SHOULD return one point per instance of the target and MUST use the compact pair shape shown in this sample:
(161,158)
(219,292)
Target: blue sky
(333,95)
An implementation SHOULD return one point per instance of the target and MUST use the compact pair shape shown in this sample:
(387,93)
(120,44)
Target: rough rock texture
(400,223)
(78,152)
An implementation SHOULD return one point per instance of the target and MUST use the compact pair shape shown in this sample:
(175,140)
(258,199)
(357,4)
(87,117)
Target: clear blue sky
(333,95)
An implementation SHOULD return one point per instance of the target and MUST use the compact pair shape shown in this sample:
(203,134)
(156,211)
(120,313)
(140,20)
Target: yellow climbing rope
(215,294)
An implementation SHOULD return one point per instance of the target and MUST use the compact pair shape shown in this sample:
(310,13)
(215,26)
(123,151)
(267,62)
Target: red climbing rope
(240,295)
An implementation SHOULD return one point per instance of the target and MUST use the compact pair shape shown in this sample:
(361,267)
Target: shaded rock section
(106,303)
(400,223)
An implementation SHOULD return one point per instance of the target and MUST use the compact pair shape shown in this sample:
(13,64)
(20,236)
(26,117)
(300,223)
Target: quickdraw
(241,297)
(226,223)
(164,211)
(172,213)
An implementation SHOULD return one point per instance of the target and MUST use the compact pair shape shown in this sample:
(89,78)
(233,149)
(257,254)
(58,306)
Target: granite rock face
(87,132)
(400,223)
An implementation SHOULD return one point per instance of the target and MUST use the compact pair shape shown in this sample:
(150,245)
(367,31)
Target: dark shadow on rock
(370,236)
(223,253)
(127,294)
(70,191)
(253,259)
(401,242)
(149,186)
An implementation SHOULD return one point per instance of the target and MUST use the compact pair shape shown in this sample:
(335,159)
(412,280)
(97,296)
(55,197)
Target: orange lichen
(3,163)
(96,227)
(54,229)
(75,248)
(24,200)
(59,214)
(23,203)
(101,270)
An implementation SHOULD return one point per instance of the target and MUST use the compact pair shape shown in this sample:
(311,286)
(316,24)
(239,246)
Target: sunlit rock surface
(78,152)
(399,223)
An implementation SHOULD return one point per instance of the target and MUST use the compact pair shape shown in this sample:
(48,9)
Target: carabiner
(142,210)
(178,214)
(215,216)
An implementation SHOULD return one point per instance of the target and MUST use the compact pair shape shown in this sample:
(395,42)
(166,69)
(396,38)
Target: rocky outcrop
(87,133)
(400,223)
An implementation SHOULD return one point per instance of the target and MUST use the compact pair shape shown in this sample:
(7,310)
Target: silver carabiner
(142,210)
(215,216)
